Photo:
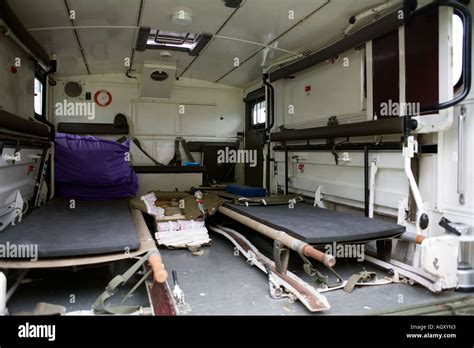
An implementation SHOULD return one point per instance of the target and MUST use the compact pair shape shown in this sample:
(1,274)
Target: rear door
(255,118)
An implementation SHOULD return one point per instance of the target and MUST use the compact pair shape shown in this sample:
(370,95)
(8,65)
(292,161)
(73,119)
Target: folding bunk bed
(87,231)
(67,233)
(94,232)
(315,225)
(308,230)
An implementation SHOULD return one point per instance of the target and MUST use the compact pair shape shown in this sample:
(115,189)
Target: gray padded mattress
(316,225)
(91,228)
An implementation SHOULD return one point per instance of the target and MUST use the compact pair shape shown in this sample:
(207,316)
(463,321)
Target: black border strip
(291,331)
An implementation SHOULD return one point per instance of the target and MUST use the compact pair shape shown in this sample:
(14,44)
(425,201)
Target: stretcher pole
(287,240)
(412,237)
(156,263)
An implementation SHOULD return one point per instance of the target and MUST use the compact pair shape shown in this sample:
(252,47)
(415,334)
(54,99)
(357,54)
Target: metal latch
(276,290)
(12,157)
(281,255)
(14,210)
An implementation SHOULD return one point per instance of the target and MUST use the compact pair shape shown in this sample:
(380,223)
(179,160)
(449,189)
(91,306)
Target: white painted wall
(16,97)
(337,89)
(344,184)
(212,112)
(16,90)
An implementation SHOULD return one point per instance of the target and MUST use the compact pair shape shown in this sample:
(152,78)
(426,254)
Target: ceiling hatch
(156,39)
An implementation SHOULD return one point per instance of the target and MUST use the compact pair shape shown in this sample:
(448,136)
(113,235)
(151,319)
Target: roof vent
(73,89)
(156,81)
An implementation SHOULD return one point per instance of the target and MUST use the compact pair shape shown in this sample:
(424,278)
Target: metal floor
(219,283)
(76,290)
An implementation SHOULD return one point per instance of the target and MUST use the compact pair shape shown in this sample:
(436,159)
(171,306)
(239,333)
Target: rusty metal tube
(287,240)
(412,237)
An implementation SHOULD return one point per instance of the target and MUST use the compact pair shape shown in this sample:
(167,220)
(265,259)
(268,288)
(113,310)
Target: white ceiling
(208,15)
(261,21)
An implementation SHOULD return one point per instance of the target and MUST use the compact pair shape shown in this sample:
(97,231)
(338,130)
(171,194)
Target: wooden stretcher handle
(159,272)
(326,259)
(419,239)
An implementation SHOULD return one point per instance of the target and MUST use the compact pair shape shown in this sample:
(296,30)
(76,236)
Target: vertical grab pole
(461,120)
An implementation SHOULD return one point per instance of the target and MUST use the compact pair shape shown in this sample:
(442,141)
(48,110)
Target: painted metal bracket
(281,255)
(317,196)
(14,210)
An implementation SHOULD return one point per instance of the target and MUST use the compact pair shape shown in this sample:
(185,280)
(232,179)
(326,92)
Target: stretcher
(93,232)
(315,225)
(96,233)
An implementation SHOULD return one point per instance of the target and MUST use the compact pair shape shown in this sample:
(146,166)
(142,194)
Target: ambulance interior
(236,157)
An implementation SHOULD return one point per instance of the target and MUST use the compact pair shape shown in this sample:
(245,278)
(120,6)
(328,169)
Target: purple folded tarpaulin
(88,167)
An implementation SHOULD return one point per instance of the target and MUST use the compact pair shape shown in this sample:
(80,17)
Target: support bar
(394,125)
(15,123)
(340,147)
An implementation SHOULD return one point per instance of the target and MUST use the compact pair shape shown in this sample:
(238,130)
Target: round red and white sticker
(103,98)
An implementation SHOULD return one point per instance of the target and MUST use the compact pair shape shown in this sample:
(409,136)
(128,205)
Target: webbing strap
(320,278)
(186,150)
(360,277)
(176,160)
(137,143)
(99,305)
